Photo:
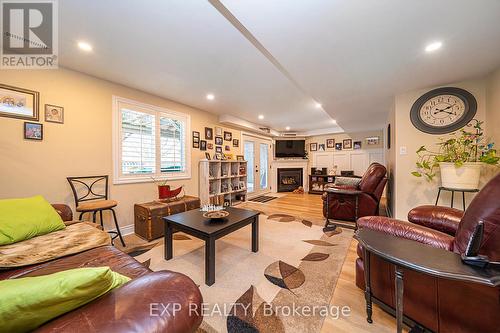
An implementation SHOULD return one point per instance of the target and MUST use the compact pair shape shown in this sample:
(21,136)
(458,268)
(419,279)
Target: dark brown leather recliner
(342,207)
(138,306)
(439,304)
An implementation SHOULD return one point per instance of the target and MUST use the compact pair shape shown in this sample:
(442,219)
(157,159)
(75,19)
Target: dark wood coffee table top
(423,258)
(194,219)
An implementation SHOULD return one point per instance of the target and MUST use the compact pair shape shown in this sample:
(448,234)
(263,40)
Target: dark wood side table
(193,223)
(345,192)
(408,254)
(453,190)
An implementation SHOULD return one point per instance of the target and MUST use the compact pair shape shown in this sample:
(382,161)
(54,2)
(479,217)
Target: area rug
(297,267)
(262,198)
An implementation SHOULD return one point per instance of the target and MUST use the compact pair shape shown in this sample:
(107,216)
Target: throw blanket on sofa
(73,239)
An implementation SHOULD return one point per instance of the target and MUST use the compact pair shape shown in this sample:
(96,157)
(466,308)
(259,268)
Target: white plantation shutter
(149,142)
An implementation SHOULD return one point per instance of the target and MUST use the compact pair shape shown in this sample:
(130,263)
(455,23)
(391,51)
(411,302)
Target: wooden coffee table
(193,223)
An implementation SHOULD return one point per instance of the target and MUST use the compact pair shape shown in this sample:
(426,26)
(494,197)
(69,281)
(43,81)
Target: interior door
(257,152)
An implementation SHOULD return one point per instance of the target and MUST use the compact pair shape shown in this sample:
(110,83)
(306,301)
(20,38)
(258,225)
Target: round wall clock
(443,110)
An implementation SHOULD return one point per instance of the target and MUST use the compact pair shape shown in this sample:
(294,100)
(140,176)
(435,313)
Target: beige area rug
(297,265)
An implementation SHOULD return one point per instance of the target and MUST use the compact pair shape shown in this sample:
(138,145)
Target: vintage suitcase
(147,216)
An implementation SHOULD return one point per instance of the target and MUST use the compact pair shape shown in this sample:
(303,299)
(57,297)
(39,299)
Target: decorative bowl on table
(216,214)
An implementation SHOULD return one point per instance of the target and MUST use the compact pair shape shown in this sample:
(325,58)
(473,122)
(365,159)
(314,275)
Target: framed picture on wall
(227,148)
(321,147)
(207,156)
(338,146)
(203,145)
(209,133)
(313,147)
(374,140)
(196,134)
(210,145)
(54,114)
(389,136)
(236,143)
(33,131)
(218,149)
(19,103)
(219,140)
(357,144)
(218,131)
(228,136)
(330,143)
(347,143)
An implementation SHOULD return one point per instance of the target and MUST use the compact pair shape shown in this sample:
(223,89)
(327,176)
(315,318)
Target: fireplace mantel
(288,163)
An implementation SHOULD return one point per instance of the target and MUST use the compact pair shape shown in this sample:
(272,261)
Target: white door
(257,152)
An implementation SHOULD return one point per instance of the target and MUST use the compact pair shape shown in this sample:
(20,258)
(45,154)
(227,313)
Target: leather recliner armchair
(342,207)
(439,304)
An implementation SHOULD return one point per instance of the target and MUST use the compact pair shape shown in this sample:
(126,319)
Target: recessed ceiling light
(85,46)
(287,128)
(334,121)
(318,105)
(210,97)
(261,116)
(433,46)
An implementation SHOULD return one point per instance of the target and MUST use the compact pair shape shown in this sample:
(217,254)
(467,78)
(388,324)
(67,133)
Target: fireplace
(289,179)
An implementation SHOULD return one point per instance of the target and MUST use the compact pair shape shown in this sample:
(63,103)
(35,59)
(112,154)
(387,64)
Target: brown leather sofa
(128,308)
(437,304)
(342,207)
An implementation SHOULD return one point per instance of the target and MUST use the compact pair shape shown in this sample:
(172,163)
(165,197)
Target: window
(149,142)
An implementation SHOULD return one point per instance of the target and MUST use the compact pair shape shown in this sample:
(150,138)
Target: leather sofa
(145,304)
(342,207)
(438,304)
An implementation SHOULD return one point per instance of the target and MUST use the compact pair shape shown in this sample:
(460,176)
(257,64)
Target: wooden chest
(148,221)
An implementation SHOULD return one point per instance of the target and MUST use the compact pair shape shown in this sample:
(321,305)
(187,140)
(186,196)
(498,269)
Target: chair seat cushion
(96,205)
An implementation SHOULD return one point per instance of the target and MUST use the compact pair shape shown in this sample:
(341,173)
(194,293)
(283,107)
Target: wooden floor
(346,293)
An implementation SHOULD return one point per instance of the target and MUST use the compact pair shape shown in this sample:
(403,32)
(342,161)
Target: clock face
(442,110)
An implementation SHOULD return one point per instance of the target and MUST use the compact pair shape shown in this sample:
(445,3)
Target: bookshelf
(222,182)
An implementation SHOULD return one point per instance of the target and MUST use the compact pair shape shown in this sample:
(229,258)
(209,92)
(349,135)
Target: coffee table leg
(168,241)
(210,261)
(368,289)
(399,298)
(255,234)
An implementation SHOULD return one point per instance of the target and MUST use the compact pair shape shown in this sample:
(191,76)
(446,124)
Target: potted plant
(459,158)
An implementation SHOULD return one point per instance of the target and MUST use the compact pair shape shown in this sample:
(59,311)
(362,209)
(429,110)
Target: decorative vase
(465,177)
(163,191)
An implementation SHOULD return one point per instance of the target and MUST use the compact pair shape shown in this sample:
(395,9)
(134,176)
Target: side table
(453,190)
(345,192)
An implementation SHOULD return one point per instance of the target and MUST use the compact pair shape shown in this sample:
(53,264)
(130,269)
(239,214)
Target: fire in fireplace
(289,179)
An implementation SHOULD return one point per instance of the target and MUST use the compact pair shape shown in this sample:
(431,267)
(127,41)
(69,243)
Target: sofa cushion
(22,219)
(26,303)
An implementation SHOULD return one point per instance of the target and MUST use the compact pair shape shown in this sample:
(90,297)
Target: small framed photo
(218,149)
(218,131)
(227,148)
(196,134)
(236,143)
(209,133)
(372,140)
(338,146)
(207,156)
(54,114)
(33,131)
(313,147)
(321,147)
(240,157)
(203,145)
(210,145)
(347,143)
(196,142)
(218,140)
(217,156)
(330,143)
(228,136)
(357,144)
(242,185)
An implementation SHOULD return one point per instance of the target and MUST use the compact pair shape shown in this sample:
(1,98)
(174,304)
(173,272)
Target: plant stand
(453,190)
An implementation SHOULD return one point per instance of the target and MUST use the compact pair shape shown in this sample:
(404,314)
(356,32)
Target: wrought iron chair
(89,200)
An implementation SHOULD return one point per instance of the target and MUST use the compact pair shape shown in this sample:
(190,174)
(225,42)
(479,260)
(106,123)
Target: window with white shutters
(149,142)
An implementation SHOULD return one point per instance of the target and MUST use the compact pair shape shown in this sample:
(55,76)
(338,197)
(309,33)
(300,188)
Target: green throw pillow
(22,219)
(27,303)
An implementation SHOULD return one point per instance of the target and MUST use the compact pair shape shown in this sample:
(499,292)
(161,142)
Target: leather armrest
(64,211)
(443,219)
(145,304)
(407,230)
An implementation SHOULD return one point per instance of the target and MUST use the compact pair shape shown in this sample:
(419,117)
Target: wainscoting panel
(356,160)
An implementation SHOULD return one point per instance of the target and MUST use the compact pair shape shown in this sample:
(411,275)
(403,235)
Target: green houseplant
(459,158)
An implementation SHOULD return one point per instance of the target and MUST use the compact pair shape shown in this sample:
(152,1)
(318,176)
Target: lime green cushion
(22,219)
(26,303)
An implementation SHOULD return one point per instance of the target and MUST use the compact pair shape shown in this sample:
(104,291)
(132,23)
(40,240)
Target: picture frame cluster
(223,140)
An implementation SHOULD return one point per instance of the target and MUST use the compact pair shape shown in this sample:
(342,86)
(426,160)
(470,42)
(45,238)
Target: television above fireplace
(290,148)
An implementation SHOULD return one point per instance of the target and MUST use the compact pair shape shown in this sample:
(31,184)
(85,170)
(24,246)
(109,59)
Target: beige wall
(83,144)
(493,109)
(359,136)
(411,191)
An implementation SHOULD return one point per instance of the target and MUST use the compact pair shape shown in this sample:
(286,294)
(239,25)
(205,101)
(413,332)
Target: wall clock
(443,110)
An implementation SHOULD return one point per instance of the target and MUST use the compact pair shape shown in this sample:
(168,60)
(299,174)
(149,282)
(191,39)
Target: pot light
(210,97)
(85,46)
(287,128)
(433,46)
(318,105)
(334,121)
(261,116)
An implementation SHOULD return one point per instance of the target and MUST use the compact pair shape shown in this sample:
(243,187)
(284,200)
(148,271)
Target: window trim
(118,176)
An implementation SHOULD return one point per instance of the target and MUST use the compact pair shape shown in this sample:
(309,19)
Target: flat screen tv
(290,148)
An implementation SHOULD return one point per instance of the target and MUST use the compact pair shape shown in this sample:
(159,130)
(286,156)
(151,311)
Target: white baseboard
(126,230)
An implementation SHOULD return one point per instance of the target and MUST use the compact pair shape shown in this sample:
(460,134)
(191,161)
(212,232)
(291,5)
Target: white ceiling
(351,55)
